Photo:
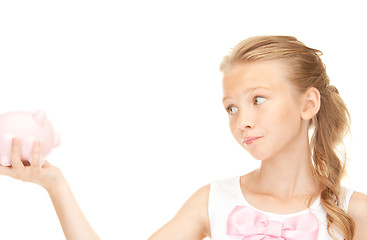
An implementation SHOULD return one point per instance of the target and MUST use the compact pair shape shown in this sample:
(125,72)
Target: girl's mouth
(250,140)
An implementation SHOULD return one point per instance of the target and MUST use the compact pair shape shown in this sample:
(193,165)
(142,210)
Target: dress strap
(346,195)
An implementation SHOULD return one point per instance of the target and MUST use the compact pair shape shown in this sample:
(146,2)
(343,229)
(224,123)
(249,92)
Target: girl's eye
(232,110)
(259,100)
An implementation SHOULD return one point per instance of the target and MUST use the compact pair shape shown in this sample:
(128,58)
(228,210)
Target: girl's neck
(288,174)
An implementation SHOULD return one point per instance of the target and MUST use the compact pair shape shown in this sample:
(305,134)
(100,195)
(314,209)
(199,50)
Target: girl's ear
(311,103)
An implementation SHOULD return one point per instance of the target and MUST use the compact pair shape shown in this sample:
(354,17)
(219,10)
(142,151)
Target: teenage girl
(274,90)
(72,219)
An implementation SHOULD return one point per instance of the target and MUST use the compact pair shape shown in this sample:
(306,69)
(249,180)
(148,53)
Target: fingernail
(37,143)
(15,142)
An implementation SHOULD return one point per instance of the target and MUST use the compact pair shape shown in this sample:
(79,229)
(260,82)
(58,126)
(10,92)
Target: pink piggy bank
(28,127)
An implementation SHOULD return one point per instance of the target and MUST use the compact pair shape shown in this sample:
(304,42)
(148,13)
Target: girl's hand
(72,219)
(47,176)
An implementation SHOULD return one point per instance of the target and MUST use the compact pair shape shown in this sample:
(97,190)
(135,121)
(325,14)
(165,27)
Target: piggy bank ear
(39,117)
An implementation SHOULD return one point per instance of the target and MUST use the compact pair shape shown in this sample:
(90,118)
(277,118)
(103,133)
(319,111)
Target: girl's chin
(258,158)
(258,155)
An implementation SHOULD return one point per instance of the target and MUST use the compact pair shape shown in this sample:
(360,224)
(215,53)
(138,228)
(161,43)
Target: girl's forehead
(270,74)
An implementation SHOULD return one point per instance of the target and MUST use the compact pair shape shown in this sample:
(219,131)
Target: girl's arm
(191,222)
(358,211)
(72,219)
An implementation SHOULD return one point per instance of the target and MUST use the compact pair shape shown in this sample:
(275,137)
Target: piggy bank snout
(57,140)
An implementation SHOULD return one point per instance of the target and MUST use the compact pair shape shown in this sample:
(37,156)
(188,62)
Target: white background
(134,90)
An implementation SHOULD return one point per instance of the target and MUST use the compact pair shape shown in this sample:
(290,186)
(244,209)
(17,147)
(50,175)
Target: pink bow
(245,223)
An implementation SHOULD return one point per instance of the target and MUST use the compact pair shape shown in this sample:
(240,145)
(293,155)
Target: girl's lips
(249,140)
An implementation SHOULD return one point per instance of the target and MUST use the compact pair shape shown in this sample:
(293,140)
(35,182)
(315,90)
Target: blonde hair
(331,123)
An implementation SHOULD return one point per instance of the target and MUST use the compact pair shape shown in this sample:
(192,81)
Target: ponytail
(331,123)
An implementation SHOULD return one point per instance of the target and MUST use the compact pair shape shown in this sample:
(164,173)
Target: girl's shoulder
(358,205)
(358,211)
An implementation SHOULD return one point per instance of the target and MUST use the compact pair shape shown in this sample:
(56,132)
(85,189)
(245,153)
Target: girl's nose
(245,121)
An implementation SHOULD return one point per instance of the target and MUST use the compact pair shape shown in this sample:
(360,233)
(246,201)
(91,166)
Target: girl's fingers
(15,155)
(34,172)
(35,163)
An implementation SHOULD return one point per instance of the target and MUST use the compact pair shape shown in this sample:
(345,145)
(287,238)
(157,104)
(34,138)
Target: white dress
(226,194)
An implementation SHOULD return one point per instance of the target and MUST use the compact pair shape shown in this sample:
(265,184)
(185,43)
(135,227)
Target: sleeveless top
(226,201)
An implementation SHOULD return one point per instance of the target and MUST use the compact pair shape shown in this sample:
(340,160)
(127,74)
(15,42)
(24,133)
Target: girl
(72,219)
(275,90)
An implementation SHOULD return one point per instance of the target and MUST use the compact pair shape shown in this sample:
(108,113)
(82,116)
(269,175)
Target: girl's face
(263,107)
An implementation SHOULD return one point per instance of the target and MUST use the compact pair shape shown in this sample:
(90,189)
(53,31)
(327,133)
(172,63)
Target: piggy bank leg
(5,160)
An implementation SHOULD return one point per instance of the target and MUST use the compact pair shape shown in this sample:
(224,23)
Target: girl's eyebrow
(247,91)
